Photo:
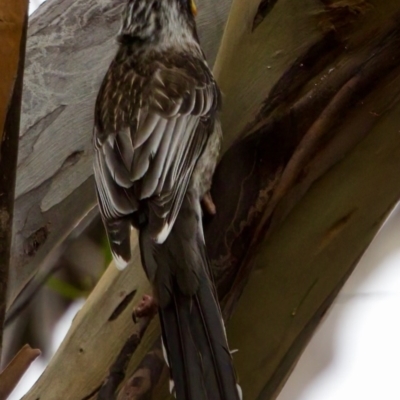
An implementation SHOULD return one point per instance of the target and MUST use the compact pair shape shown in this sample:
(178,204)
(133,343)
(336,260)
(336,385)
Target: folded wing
(150,131)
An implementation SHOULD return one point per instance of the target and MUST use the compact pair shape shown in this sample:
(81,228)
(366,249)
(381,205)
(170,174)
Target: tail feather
(214,330)
(197,348)
(118,231)
(183,356)
(192,326)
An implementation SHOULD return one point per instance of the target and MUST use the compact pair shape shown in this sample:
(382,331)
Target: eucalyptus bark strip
(13,26)
(108,390)
(16,369)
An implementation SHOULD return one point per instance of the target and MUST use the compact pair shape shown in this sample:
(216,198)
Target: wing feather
(146,129)
(115,200)
(143,155)
(157,127)
(150,180)
(199,103)
(174,131)
(124,146)
(116,166)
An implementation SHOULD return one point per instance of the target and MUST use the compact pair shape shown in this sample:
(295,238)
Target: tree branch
(149,377)
(293,176)
(14,371)
(108,390)
(13,26)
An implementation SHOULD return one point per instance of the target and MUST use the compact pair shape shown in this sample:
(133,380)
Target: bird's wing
(149,133)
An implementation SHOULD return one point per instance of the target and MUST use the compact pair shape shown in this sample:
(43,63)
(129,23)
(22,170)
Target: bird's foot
(148,307)
(208,204)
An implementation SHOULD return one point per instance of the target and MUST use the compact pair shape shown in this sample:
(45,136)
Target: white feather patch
(162,236)
(172,387)
(164,351)
(119,262)
(240,392)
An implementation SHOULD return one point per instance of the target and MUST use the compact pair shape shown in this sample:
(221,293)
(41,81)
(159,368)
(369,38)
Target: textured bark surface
(16,369)
(70,45)
(12,17)
(315,97)
(13,25)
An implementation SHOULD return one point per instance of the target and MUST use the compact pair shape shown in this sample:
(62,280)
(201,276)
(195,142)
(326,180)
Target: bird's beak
(193,7)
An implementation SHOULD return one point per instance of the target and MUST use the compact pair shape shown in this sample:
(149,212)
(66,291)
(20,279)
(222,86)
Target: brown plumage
(156,141)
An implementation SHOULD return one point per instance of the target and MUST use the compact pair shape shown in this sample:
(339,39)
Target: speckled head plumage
(150,20)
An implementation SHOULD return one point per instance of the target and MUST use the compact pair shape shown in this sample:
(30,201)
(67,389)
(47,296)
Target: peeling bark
(108,390)
(15,370)
(13,26)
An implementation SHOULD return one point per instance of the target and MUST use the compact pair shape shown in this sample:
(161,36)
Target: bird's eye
(193,7)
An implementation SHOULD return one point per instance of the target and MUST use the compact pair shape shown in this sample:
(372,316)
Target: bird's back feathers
(151,127)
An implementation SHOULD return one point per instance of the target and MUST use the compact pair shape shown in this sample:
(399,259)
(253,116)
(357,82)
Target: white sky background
(34,4)
(356,351)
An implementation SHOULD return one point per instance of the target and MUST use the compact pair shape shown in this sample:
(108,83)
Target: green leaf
(65,289)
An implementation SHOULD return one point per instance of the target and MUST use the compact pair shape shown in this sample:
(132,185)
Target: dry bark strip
(12,17)
(13,27)
(292,175)
(15,370)
(108,390)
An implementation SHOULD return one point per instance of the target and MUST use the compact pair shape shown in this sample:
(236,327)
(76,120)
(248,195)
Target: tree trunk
(13,22)
(310,170)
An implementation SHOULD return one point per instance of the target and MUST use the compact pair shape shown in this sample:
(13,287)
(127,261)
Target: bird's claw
(146,308)
(208,204)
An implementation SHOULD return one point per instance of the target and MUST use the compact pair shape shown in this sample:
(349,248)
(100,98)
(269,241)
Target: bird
(156,140)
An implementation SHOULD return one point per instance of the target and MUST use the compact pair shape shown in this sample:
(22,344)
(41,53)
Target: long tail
(192,326)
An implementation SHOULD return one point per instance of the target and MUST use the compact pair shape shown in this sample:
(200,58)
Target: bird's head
(148,20)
